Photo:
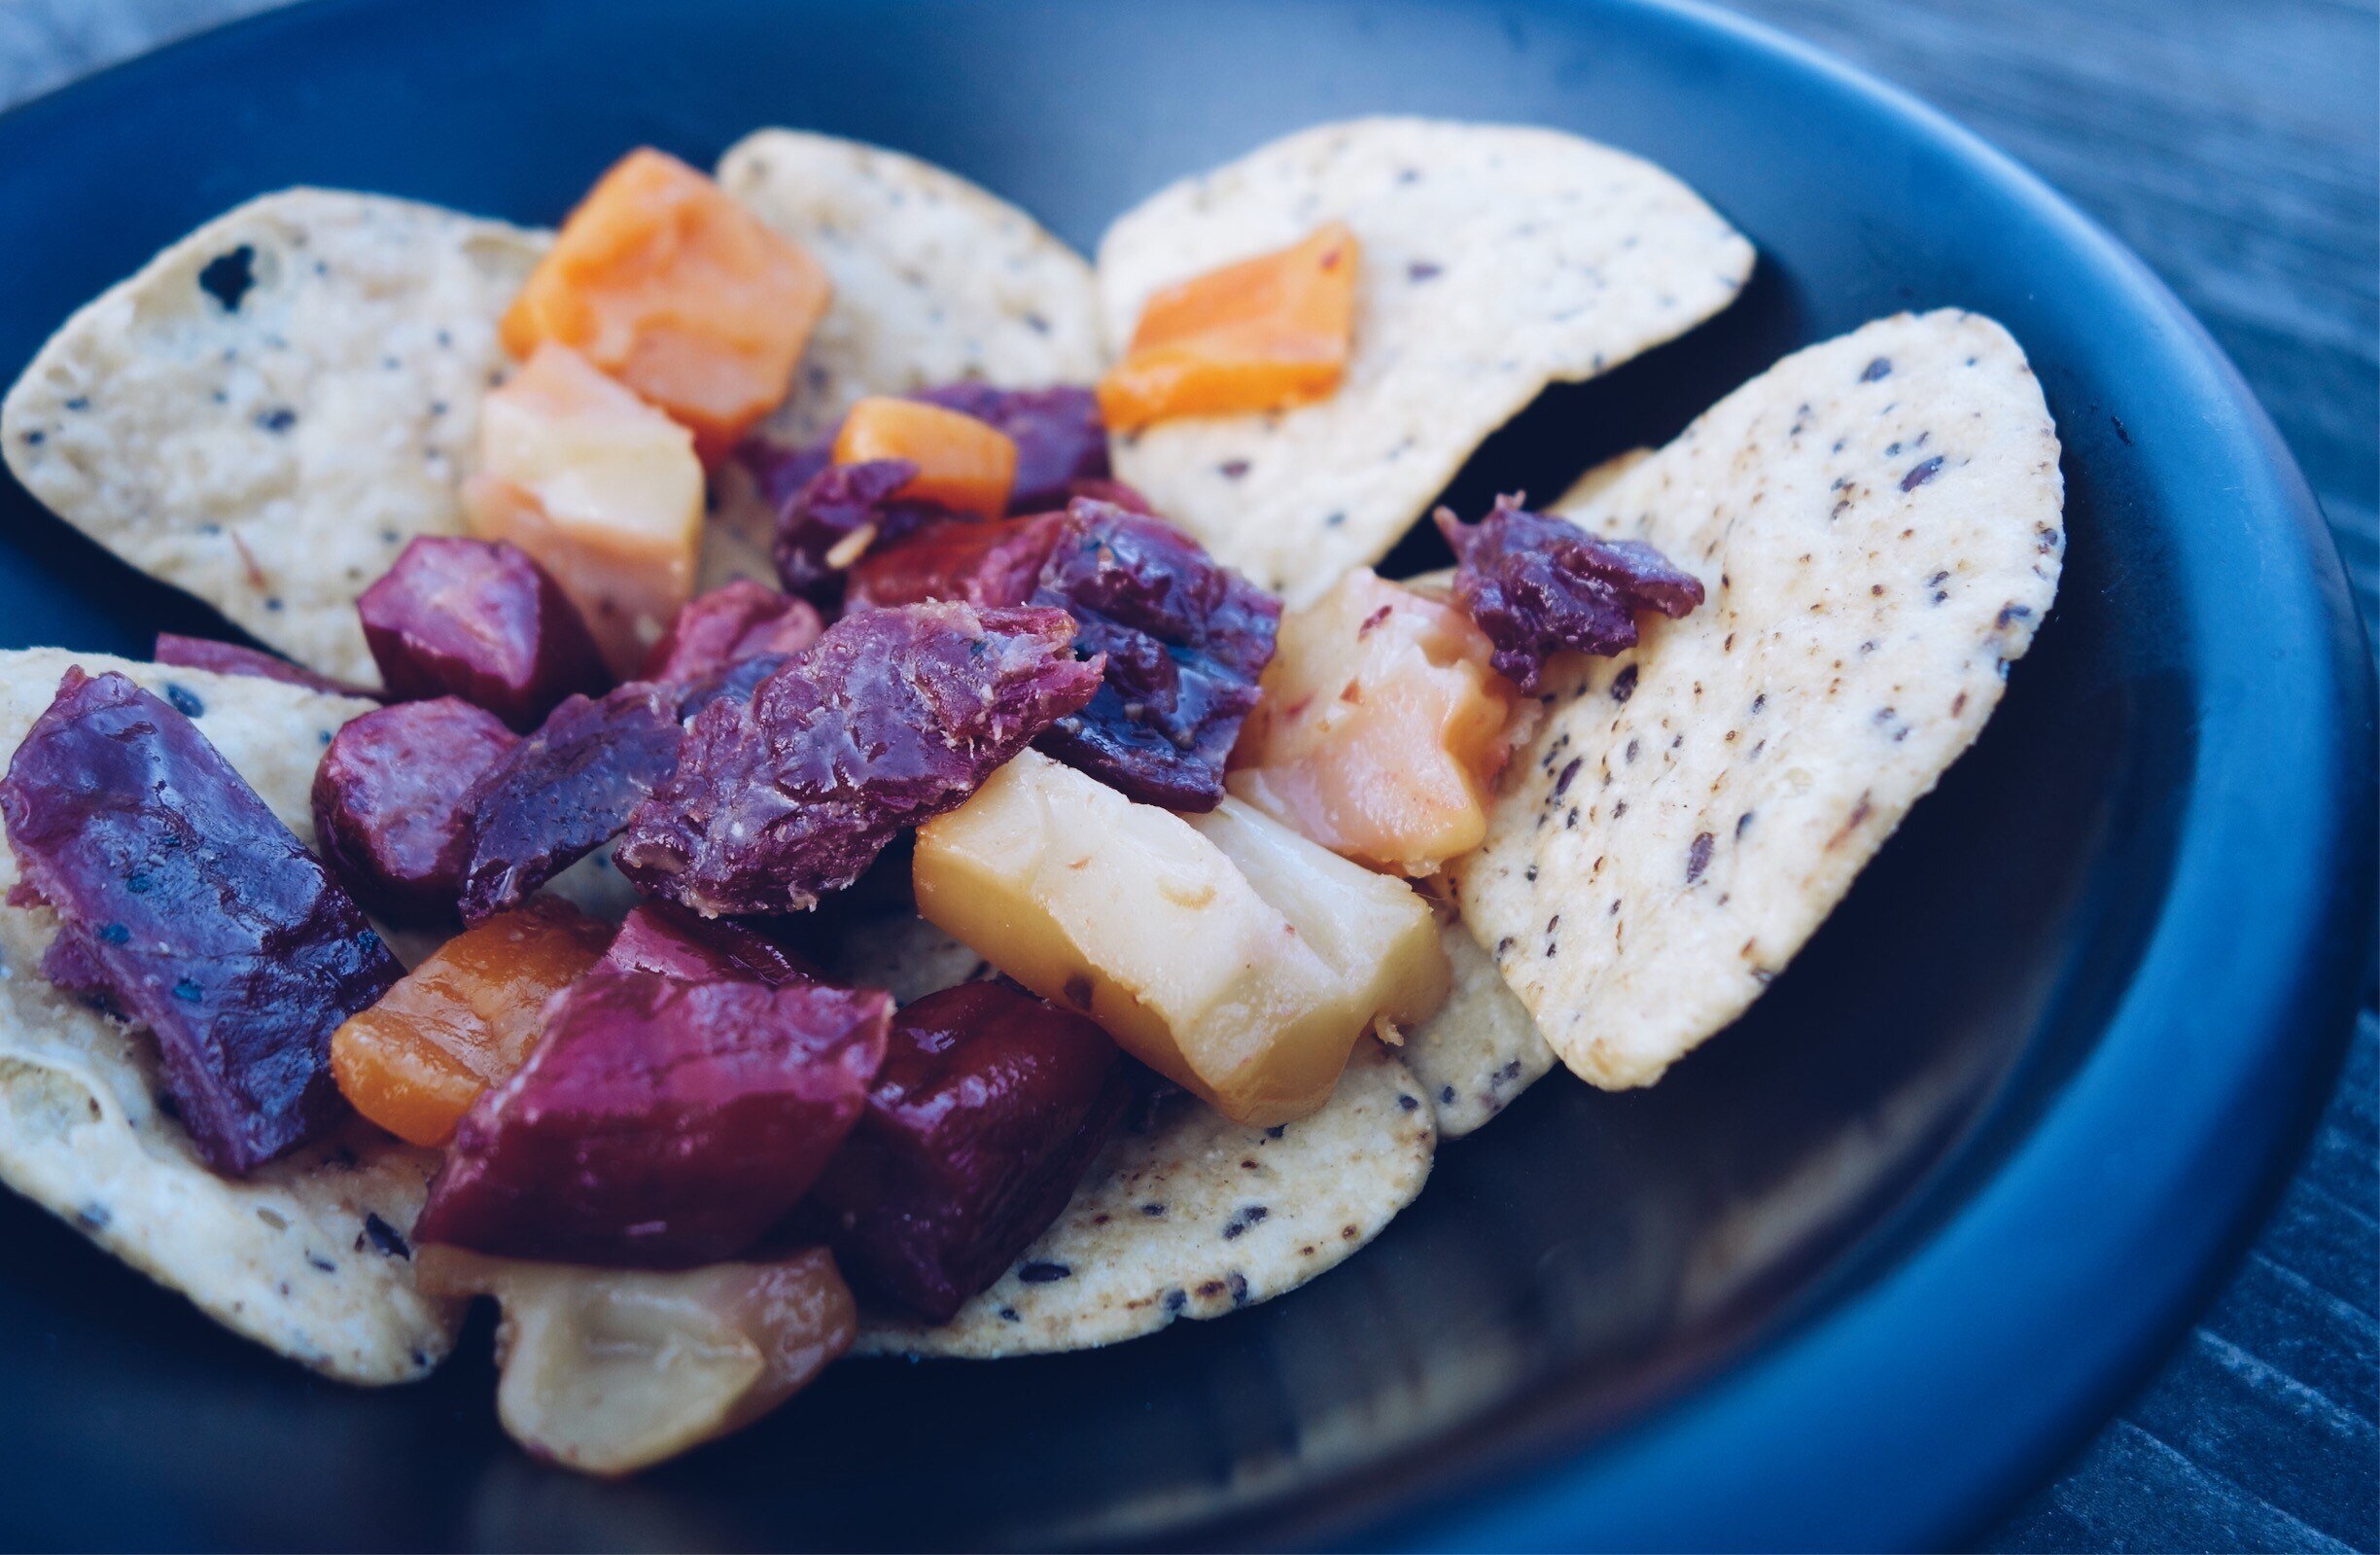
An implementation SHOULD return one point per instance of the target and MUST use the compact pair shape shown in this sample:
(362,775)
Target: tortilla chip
(1877,520)
(936,280)
(268,433)
(289,1255)
(1199,1216)
(1495,260)
(1481,1050)
(1599,479)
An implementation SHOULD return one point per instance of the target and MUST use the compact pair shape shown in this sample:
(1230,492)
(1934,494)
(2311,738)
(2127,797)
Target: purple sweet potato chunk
(1059,436)
(727,626)
(660,1123)
(566,791)
(983,1119)
(392,804)
(1185,639)
(736,682)
(891,718)
(665,938)
(958,558)
(229,658)
(185,905)
(835,505)
(1539,586)
(481,621)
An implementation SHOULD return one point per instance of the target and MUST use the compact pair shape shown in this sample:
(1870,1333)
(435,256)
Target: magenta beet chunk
(1059,436)
(729,625)
(193,909)
(891,718)
(665,938)
(565,792)
(836,503)
(659,1124)
(958,558)
(1185,639)
(1539,586)
(229,658)
(393,803)
(479,619)
(983,1119)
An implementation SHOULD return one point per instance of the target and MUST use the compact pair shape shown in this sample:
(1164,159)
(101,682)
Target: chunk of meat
(187,904)
(956,558)
(665,282)
(481,621)
(727,626)
(462,1020)
(892,717)
(1059,440)
(1266,333)
(230,658)
(566,791)
(660,1123)
(393,803)
(1539,586)
(962,464)
(986,1114)
(665,938)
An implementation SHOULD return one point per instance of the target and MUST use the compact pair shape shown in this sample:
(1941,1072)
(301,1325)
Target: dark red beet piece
(836,503)
(1059,436)
(183,900)
(566,791)
(729,625)
(392,806)
(1185,640)
(479,619)
(984,1117)
(229,658)
(659,1124)
(665,938)
(1539,586)
(958,558)
(891,718)
(736,682)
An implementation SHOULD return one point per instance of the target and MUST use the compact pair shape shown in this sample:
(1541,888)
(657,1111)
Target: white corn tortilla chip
(1878,523)
(272,457)
(286,1255)
(1598,479)
(936,280)
(1197,1218)
(1481,1050)
(1494,259)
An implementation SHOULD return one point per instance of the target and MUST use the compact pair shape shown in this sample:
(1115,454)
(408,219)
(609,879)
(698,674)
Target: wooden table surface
(2233,144)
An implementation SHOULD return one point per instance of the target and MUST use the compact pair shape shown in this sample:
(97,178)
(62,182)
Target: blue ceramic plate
(1852,1276)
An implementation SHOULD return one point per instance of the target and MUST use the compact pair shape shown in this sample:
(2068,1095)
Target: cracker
(1481,1050)
(936,280)
(1495,260)
(1877,520)
(288,1256)
(1199,1216)
(274,457)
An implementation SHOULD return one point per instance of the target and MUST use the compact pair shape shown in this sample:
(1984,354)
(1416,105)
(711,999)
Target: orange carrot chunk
(963,464)
(1263,335)
(462,1020)
(665,282)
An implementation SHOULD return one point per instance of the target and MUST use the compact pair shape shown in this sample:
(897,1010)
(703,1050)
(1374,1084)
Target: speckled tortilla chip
(1199,1216)
(1879,522)
(275,405)
(936,280)
(1495,260)
(1481,1050)
(306,1255)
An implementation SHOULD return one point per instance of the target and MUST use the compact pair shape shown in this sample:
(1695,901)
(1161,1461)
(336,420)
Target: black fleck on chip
(1334,520)
(280,418)
(1423,270)
(1698,857)
(1239,1289)
(184,700)
(227,278)
(1743,821)
(1277,1131)
(386,1237)
(1880,368)
(321,1263)
(1623,684)
(1921,472)
(1232,469)
(1042,1273)
(1176,1298)
(1152,1211)
(1562,784)
(1409,1103)
(1446,1094)
(94,1216)
(1009,1315)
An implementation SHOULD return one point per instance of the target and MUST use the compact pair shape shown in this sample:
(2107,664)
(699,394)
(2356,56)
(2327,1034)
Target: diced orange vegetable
(1381,728)
(462,1020)
(1263,335)
(963,464)
(600,488)
(670,286)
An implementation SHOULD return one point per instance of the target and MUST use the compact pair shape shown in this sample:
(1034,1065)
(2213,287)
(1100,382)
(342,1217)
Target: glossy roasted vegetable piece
(988,1109)
(660,1123)
(186,905)
(665,938)
(1060,440)
(566,791)
(731,623)
(892,717)
(462,1020)
(1185,639)
(1267,334)
(958,558)
(1381,728)
(393,803)
(229,658)
(961,464)
(839,515)
(671,287)
(481,621)
(600,488)
(611,1370)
